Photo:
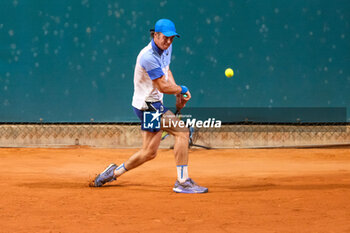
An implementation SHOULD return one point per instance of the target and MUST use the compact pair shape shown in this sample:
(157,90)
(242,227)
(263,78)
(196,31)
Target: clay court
(250,190)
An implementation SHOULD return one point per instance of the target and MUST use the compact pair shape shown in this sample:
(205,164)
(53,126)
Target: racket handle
(185,96)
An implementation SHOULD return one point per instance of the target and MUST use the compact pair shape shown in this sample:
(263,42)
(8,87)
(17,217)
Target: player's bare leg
(181,138)
(151,141)
(184,183)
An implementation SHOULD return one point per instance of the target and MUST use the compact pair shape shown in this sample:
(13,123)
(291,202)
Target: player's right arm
(168,87)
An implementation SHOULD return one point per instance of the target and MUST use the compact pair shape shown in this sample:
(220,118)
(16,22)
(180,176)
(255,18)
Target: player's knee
(183,135)
(150,154)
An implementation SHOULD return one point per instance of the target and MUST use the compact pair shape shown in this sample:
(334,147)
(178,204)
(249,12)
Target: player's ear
(157,34)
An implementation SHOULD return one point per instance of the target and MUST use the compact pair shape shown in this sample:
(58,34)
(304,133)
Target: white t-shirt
(151,63)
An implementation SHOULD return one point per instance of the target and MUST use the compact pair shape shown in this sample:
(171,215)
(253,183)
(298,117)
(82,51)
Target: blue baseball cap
(167,27)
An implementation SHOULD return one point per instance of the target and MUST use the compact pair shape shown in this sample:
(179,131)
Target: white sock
(182,173)
(120,170)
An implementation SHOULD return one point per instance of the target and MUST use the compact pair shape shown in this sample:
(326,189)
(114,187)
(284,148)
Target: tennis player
(152,79)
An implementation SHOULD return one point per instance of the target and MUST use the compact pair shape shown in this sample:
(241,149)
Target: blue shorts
(152,107)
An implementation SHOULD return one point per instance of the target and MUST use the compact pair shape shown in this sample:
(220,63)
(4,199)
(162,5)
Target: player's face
(162,41)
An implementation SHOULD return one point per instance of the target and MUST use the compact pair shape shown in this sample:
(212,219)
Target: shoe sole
(187,192)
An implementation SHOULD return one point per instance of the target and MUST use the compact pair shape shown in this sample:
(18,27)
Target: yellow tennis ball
(229,72)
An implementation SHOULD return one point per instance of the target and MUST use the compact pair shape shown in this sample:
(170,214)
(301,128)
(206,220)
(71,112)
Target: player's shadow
(80,185)
(135,187)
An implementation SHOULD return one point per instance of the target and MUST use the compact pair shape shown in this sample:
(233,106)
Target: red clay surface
(250,190)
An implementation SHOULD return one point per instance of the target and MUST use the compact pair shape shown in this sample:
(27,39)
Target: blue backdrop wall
(71,61)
